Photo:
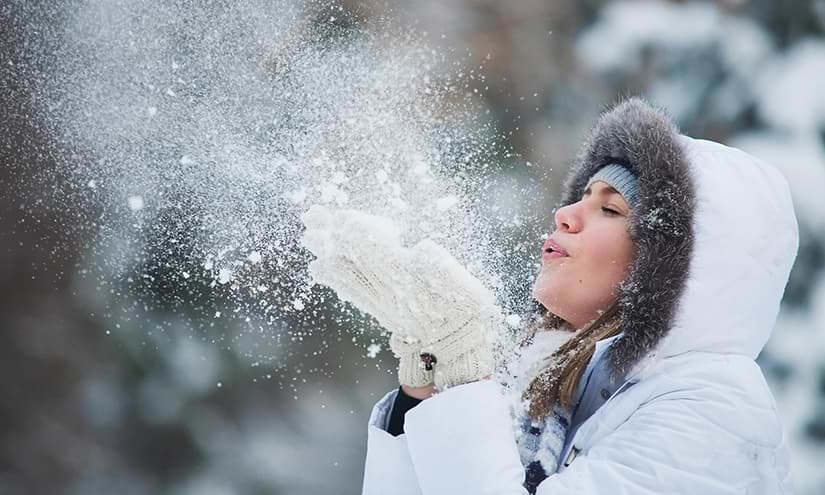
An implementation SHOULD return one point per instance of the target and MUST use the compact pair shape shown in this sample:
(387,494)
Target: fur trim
(645,140)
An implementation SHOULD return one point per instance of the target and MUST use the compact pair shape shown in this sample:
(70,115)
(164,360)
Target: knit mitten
(440,316)
(412,370)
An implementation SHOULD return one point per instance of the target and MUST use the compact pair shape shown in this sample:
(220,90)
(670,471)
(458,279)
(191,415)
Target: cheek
(608,259)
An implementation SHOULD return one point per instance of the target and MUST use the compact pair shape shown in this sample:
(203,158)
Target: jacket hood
(715,237)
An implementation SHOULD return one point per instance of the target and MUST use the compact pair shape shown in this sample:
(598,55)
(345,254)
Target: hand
(440,316)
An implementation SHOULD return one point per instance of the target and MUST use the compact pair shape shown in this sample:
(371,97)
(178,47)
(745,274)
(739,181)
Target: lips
(553,249)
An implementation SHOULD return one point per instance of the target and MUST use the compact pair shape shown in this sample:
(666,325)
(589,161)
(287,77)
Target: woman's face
(582,280)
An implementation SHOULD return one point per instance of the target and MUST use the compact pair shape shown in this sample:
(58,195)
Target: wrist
(420,393)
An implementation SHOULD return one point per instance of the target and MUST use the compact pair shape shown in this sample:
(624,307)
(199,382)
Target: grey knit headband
(621,179)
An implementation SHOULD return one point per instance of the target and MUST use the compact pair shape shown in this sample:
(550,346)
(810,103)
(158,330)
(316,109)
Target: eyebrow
(607,190)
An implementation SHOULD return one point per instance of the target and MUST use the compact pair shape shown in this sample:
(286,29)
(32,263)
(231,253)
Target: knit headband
(621,179)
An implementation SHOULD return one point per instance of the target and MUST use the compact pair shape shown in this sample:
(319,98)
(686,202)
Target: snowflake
(373,350)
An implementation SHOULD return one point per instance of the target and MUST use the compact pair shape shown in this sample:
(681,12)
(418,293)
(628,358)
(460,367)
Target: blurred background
(132,397)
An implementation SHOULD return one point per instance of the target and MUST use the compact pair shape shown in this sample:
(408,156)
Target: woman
(669,260)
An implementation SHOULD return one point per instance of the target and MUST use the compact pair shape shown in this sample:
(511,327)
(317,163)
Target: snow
(373,350)
(331,193)
(224,275)
(612,43)
(135,203)
(801,159)
(691,55)
(338,178)
(297,196)
(790,88)
(513,320)
(745,47)
(346,125)
(446,202)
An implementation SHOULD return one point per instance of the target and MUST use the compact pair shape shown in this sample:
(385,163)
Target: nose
(566,219)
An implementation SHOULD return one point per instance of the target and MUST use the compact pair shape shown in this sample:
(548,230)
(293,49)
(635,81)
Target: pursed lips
(553,250)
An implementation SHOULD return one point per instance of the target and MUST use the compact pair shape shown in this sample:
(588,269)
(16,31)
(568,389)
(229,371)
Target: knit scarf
(539,442)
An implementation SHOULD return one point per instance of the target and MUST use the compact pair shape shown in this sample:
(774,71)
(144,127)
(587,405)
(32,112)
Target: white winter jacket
(695,415)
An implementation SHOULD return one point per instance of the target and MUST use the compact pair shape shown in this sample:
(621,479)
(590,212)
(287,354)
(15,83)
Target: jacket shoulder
(698,424)
(726,390)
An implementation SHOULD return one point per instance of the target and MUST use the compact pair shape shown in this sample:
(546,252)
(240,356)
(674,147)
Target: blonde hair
(556,384)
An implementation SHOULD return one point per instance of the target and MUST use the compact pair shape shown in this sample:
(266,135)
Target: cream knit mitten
(440,316)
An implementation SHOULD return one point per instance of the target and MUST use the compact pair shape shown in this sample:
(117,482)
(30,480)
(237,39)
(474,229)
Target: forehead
(601,188)
(604,190)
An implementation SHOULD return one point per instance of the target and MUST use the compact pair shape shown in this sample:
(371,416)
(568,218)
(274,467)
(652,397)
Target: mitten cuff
(472,365)
(411,370)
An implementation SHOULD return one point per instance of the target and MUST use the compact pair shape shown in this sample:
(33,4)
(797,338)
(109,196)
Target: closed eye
(610,212)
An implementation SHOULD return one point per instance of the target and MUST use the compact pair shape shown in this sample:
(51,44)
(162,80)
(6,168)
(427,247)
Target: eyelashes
(610,213)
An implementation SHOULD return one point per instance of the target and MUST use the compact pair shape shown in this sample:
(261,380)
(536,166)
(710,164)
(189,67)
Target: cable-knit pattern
(421,294)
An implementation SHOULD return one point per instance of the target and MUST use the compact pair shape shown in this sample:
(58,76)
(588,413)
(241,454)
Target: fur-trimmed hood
(715,236)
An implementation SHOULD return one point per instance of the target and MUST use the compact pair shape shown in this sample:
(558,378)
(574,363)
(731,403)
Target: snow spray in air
(201,131)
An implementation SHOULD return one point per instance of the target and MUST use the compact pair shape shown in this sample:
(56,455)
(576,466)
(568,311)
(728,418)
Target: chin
(536,292)
(552,297)
(544,296)
(545,289)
